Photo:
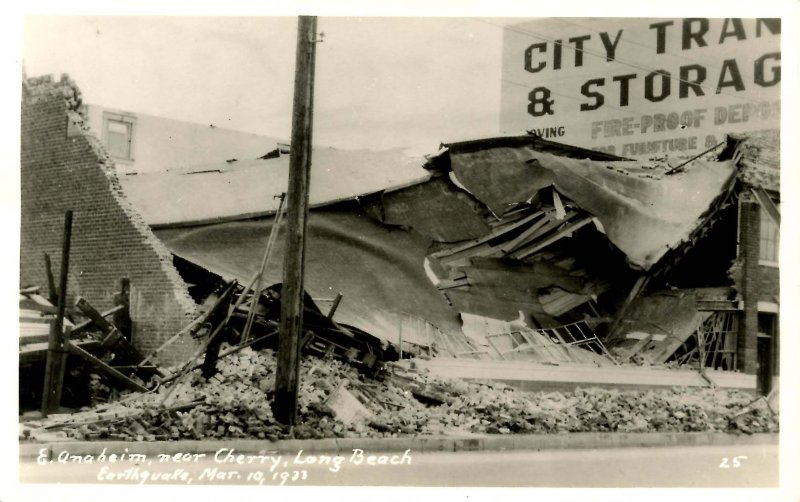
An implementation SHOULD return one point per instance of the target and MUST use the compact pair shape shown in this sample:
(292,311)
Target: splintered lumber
(204,347)
(492,236)
(572,227)
(113,340)
(94,316)
(31,304)
(195,324)
(105,368)
(81,327)
(530,233)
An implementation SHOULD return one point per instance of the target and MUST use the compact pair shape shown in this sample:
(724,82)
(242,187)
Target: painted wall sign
(641,87)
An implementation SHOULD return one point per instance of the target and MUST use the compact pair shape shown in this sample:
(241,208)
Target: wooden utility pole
(288,375)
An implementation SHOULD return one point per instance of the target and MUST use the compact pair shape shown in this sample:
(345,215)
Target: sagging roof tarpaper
(246,188)
(644,211)
(379,270)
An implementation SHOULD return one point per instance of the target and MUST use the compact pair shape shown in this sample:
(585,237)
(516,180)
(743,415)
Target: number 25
(735,462)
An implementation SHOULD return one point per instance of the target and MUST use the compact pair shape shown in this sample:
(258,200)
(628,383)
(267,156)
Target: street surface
(751,466)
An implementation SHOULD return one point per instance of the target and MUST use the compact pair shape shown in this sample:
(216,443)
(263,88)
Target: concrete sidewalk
(417,444)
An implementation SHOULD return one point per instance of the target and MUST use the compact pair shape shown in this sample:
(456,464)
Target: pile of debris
(338,400)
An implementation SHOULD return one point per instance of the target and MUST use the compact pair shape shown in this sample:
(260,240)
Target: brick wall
(64,167)
(749,233)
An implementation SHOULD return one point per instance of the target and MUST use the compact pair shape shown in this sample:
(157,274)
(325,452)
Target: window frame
(128,120)
(764,239)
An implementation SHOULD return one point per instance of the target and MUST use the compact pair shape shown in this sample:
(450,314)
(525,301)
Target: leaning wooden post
(287,374)
(56,354)
(52,294)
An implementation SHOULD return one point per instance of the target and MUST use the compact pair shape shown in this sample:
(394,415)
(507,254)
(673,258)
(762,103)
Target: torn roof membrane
(643,211)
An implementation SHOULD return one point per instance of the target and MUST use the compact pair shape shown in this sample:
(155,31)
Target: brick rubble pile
(236,403)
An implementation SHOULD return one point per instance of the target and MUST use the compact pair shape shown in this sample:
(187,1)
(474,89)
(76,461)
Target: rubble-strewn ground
(236,403)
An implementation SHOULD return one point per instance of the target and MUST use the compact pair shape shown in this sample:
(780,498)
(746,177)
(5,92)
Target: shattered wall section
(64,167)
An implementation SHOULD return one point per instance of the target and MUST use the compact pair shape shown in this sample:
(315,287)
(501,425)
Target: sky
(380,82)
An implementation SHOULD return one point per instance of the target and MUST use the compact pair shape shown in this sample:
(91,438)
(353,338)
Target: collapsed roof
(505,228)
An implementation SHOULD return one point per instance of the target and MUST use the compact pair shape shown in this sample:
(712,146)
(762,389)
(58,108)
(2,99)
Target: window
(769,241)
(118,135)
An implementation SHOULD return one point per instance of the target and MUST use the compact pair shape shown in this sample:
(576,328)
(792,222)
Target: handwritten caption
(226,465)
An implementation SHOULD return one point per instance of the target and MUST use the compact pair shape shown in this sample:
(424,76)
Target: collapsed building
(515,257)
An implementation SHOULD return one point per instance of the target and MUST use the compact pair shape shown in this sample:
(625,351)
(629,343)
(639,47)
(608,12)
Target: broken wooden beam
(81,327)
(335,305)
(94,316)
(568,229)
(29,304)
(197,321)
(105,368)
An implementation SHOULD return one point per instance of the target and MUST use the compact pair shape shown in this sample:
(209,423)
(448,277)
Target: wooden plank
(29,291)
(31,317)
(34,349)
(95,316)
(105,368)
(81,327)
(530,233)
(483,240)
(572,227)
(29,304)
(335,305)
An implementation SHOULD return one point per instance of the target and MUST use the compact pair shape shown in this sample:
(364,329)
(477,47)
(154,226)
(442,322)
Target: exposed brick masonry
(64,167)
(750,222)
